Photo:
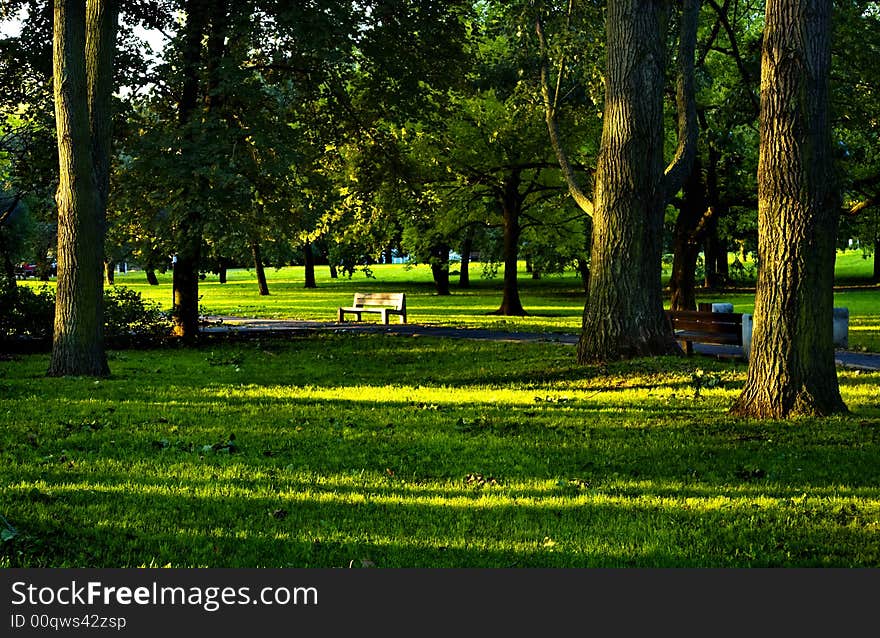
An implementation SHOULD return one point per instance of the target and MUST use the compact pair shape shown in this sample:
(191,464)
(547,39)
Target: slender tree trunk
(464,275)
(440,268)
(715,250)
(876,259)
(334,274)
(80,67)
(188,234)
(722,266)
(258,266)
(309,259)
(151,277)
(110,272)
(686,242)
(583,267)
(623,316)
(511,204)
(222,272)
(389,255)
(791,367)
(8,285)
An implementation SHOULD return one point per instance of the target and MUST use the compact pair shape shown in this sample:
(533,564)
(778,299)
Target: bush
(30,315)
(127,316)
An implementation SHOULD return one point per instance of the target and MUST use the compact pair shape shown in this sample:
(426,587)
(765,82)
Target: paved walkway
(221,324)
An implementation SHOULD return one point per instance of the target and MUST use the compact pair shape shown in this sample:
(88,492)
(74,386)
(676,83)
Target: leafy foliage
(128,317)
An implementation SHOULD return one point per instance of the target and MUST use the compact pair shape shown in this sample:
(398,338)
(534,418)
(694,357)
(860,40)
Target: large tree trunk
(309,260)
(686,242)
(464,275)
(623,316)
(440,268)
(791,368)
(110,272)
(151,277)
(82,64)
(261,272)
(511,205)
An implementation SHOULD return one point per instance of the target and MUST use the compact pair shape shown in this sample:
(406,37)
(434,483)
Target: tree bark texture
(151,277)
(791,369)
(623,316)
(78,341)
(110,272)
(510,201)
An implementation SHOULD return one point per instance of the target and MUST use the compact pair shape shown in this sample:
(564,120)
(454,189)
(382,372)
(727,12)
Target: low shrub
(128,317)
(127,314)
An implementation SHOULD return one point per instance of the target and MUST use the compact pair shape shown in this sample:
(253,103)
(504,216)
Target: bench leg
(385,317)
(340,315)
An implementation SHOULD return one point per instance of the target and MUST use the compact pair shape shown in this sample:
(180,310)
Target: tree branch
(688,127)
(734,51)
(550,115)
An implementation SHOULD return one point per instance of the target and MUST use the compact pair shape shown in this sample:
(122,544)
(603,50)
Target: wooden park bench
(381,303)
(697,326)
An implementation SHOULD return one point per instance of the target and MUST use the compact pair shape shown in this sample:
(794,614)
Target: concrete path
(221,324)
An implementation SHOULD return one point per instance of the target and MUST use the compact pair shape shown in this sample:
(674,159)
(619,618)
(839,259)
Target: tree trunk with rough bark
(83,43)
(791,368)
(110,272)
(151,277)
(623,316)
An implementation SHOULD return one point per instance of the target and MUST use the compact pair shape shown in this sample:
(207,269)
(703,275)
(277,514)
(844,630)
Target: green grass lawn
(338,451)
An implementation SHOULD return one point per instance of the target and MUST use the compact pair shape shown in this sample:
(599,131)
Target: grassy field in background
(339,451)
(554,302)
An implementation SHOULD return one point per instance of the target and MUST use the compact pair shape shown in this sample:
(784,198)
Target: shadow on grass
(90,528)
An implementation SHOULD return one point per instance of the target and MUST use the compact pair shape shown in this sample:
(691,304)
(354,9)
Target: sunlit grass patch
(341,450)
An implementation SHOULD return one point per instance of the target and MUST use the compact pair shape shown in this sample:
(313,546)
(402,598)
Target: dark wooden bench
(697,326)
(381,303)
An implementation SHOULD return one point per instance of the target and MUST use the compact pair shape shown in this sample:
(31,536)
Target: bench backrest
(397,300)
(714,322)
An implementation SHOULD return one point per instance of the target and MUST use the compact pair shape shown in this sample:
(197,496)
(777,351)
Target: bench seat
(383,304)
(695,326)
